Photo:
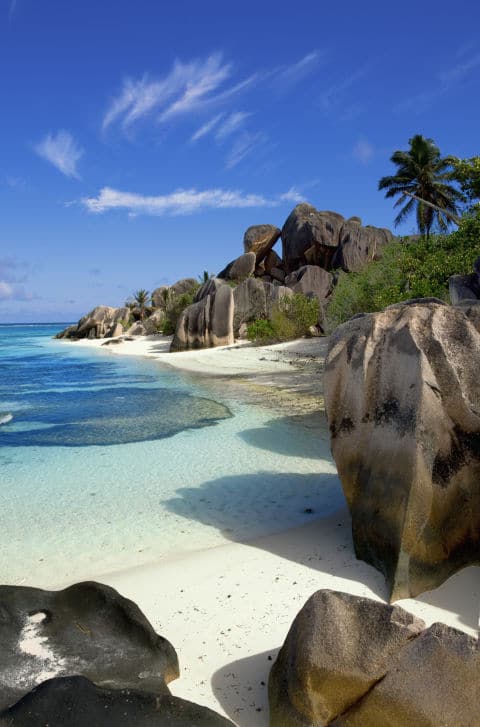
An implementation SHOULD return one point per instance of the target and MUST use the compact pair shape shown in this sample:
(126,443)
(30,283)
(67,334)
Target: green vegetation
(205,277)
(467,173)
(141,299)
(407,269)
(425,174)
(290,318)
(175,307)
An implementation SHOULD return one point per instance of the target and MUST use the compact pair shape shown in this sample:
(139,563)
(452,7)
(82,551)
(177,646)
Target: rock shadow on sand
(274,437)
(238,508)
(241,687)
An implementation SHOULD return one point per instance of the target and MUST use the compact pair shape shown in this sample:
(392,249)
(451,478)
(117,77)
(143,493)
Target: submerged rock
(87,629)
(5,417)
(76,702)
(353,662)
(402,397)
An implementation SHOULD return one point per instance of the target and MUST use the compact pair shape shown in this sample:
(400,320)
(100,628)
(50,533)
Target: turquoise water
(108,462)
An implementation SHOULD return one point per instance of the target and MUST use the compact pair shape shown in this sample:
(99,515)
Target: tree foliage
(467,173)
(141,298)
(423,172)
(290,318)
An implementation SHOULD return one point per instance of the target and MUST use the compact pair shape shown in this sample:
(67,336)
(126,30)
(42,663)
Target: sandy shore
(227,610)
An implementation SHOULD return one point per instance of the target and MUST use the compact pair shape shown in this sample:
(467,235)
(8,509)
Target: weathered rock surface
(98,323)
(274,294)
(337,648)
(260,239)
(434,682)
(87,629)
(305,228)
(240,268)
(326,239)
(352,662)
(76,702)
(465,287)
(310,280)
(185,285)
(206,323)
(137,329)
(208,288)
(359,245)
(402,396)
(160,296)
(471,308)
(249,301)
(154,323)
(272,260)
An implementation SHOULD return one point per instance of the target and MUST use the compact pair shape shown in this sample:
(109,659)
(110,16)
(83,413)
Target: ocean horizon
(111,462)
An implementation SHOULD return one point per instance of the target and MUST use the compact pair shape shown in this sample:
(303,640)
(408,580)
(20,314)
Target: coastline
(227,609)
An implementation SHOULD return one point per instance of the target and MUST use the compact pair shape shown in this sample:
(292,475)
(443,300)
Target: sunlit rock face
(402,393)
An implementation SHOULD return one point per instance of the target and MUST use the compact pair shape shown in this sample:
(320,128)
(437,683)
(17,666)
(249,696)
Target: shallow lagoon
(110,462)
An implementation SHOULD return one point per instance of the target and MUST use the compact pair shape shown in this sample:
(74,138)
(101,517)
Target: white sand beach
(227,609)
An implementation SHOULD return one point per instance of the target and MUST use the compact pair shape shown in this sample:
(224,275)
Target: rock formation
(209,322)
(260,239)
(76,702)
(313,242)
(86,629)
(465,287)
(402,397)
(350,661)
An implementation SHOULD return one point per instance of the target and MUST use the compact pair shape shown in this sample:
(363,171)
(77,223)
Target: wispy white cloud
(10,291)
(11,9)
(182,201)
(207,127)
(363,151)
(293,195)
(459,70)
(187,88)
(286,75)
(62,151)
(335,94)
(243,146)
(231,124)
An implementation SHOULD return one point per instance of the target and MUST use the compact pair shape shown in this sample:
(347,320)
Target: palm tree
(141,298)
(421,182)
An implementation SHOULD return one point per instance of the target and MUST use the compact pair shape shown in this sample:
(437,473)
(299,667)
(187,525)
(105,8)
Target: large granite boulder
(249,303)
(359,245)
(465,287)
(208,288)
(206,323)
(260,239)
(87,629)
(471,308)
(352,661)
(137,329)
(161,296)
(307,228)
(274,294)
(402,398)
(98,323)
(76,702)
(185,285)
(240,268)
(154,323)
(434,682)
(310,280)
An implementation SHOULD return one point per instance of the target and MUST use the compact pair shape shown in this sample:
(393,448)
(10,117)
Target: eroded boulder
(76,702)
(359,245)
(249,303)
(207,323)
(240,268)
(87,629)
(402,397)
(306,228)
(465,287)
(349,661)
(310,280)
(337,648)
(260,239)
(208,288)
(433,682)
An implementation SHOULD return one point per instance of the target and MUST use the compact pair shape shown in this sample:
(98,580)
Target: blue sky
(140,139)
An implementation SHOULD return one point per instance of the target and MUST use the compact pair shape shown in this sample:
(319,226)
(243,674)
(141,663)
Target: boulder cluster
(87,656)
(314,243)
